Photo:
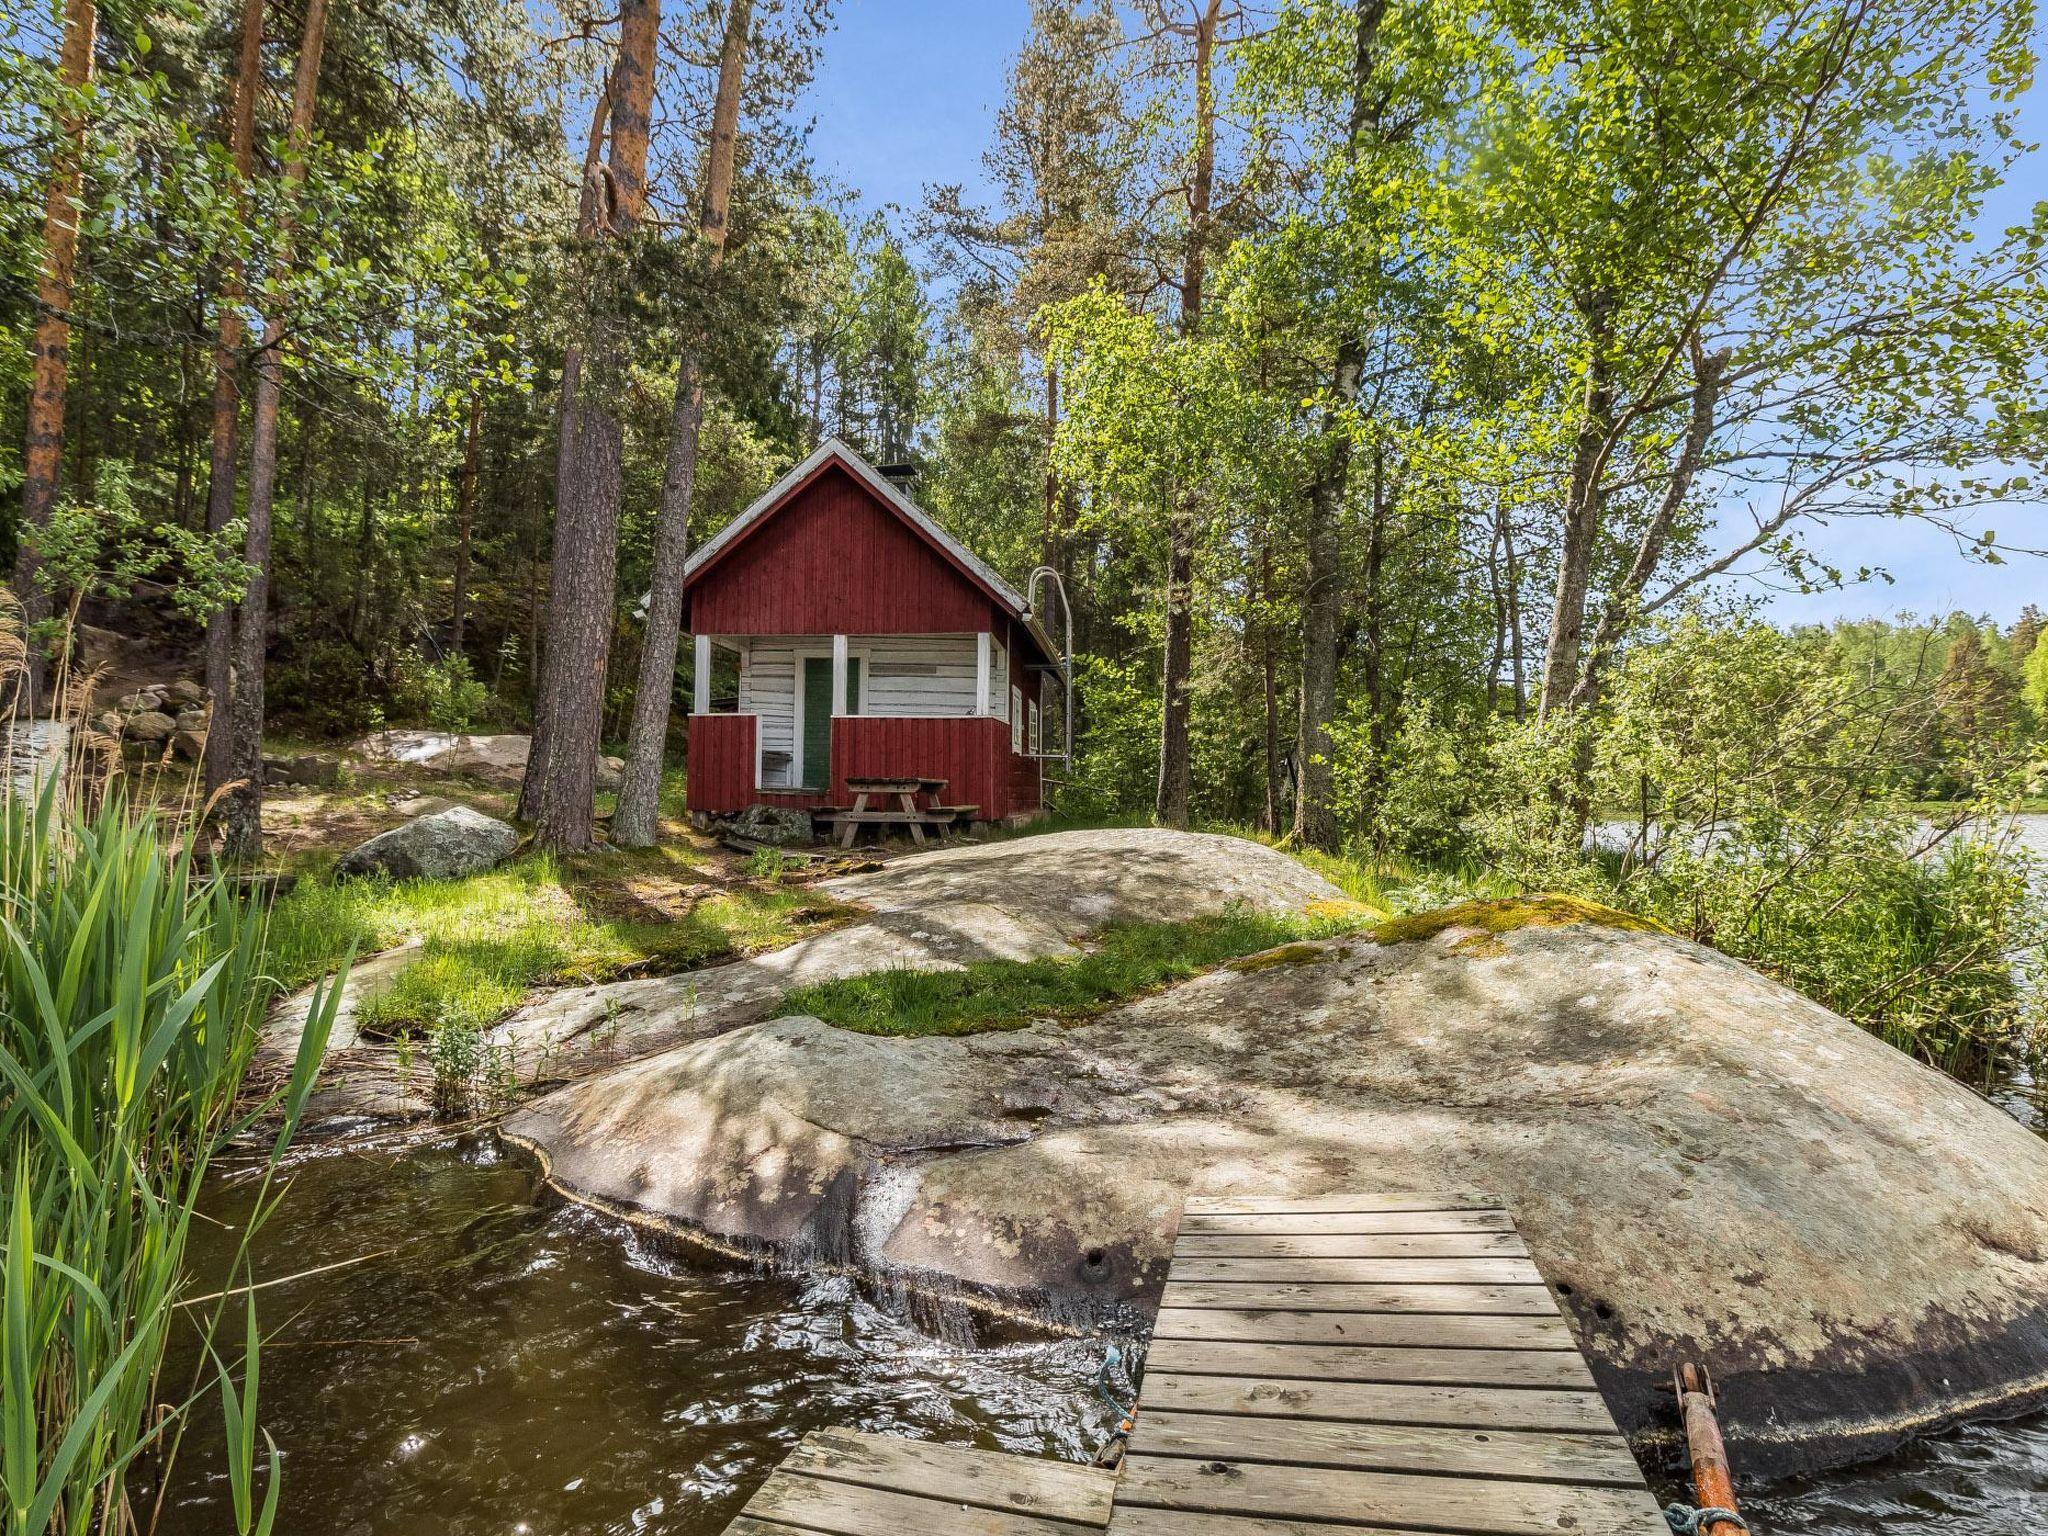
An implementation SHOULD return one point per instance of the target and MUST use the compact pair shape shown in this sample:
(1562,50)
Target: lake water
(505,1365)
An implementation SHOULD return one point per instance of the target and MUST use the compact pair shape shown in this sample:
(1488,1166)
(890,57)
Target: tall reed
(132,992)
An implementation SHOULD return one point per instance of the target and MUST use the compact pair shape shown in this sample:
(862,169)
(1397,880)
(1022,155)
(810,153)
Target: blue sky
(906,96)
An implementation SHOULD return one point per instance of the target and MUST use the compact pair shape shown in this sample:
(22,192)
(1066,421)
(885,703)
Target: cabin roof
(833,449)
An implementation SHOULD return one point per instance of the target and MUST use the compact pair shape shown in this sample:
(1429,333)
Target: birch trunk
(1583,503)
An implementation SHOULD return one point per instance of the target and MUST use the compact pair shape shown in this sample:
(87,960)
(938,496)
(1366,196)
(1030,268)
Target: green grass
(1125,961)
(486,942)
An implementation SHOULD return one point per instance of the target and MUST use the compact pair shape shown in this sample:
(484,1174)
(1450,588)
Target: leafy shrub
(443,694)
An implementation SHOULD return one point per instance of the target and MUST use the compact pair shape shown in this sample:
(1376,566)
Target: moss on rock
(1505,915)
(1285,954)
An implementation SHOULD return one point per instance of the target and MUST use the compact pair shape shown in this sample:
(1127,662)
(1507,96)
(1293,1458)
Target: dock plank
(1379,1402)
(1290,1205)
(1131,1520)
(1350,1245)
(1381,1296)
(1405,1330)
(1058,1490)
(1350,1221)
(840,1482)
(1558,1368)
(849,1509)
(1480,1506)
(1572,1458)
(1294,1271)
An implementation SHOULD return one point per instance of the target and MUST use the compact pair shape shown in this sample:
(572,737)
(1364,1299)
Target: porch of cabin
(787,719)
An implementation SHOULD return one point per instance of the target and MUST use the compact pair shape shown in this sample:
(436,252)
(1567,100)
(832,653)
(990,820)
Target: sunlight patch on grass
(1126,961)
(489,940)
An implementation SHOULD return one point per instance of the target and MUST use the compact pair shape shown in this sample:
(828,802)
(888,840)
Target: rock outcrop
(443,846)
(486,757)
(1704,1164)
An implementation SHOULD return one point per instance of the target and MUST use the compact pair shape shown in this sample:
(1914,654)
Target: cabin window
(1016,719)
(1031,725)
(727,669)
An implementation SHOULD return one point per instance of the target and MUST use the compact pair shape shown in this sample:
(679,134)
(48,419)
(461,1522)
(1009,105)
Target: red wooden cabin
(840,631)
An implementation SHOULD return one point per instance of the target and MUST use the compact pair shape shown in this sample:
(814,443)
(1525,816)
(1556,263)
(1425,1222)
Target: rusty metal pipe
(1713,1481)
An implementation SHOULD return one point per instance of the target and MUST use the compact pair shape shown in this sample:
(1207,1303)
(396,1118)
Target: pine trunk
(465,515)
(561,773)
(1171,806)
(227,402)
(636,822)
(50,349)
(243,809)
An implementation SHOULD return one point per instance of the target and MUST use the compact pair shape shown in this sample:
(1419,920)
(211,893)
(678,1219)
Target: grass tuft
(1127,960)
(490,940)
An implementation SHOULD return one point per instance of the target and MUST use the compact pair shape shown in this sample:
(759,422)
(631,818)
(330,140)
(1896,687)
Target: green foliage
(444,694)
(1121,962)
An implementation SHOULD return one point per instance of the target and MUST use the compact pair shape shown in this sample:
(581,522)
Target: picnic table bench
(903,791)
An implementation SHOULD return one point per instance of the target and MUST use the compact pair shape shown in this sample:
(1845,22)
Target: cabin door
(817,716)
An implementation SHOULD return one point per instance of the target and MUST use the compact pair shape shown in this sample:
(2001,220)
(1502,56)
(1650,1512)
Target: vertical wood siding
(972,754)
(721,763)
(835,560)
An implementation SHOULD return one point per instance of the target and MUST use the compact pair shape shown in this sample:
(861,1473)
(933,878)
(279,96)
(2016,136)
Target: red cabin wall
(721,763)
(834,560)
(970,752)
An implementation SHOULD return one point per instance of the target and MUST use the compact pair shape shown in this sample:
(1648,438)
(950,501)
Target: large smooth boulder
(443,846)
(1020,898)
(490,757)
(1704,1164)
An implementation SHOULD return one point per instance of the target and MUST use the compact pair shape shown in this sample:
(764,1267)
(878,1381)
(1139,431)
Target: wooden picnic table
(903,789)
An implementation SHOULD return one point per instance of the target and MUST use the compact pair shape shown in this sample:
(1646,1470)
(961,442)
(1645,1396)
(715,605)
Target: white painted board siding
(900,675)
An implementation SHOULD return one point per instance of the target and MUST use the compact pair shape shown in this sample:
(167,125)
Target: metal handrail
(1066,752)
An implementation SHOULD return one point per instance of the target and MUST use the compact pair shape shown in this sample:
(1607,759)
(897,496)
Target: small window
(1032,725)
(1016,719)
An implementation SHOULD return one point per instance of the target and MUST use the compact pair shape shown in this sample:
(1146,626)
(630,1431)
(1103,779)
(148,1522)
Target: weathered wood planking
(1350,1245)
(1324,1271)
(1327,1296)
(1350,1221)
(1371,1363)
(1483,1506)
(1407,1330)
(1285,1205)
(1545,1455)
(842,1483)
(1365,1365)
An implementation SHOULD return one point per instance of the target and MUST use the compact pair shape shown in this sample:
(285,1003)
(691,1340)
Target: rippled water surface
(506,1367)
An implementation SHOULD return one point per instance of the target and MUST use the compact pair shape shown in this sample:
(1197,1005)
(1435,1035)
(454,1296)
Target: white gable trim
(833,448)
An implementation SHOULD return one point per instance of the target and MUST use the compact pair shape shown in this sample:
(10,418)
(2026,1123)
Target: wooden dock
(1364,1364)
(1360,1365)
(838,1482)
